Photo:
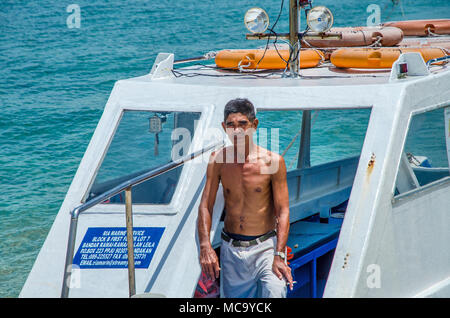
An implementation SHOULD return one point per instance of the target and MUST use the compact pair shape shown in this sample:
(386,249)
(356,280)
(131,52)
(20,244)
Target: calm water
(54,83)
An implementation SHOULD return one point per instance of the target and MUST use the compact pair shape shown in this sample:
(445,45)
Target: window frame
(320,110)
(411,194)
(174,206)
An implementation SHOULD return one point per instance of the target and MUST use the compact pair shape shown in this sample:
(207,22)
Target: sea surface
(56,76)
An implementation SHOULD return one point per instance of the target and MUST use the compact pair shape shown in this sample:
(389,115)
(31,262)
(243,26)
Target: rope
(434,34)
(241,67)
(377,42)
(210,55)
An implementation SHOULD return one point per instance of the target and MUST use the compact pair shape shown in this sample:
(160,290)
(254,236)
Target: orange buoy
(358,36)
(436,42)
(269,60)
(378,58)
(421,27)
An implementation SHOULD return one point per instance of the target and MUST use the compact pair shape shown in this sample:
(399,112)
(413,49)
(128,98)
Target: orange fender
(359,36)
(436,42)
(421,27)
(378,58)
(271,60)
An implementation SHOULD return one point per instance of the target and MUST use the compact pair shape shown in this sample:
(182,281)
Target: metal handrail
(207,56)
(439,59)
(124,186)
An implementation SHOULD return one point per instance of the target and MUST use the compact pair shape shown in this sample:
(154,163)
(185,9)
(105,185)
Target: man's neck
(242,153)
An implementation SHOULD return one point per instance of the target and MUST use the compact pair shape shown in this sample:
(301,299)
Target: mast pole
(304,160)
(294,64)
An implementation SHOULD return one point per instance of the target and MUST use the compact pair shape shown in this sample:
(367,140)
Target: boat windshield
(335,134)
(425,152)
(320,183)
(145,140)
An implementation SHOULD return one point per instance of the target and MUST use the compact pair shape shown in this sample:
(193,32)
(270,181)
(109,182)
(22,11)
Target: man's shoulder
(271,162)
(270,156)
(217,157)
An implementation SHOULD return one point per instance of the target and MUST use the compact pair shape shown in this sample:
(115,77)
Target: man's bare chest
(244,178)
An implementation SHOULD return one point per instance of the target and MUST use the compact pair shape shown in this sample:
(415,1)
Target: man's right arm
(208,257)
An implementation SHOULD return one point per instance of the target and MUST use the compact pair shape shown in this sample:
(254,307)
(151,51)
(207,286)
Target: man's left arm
(281,205)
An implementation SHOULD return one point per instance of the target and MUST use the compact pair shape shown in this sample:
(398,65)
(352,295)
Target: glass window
(336,140)
(335,134)
(144,141)
(424,159)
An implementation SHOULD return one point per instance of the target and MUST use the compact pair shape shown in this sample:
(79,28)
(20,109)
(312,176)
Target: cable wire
(271,30)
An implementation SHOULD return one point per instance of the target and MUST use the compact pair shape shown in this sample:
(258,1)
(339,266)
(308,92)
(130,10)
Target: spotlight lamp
(319,19)
(256,20)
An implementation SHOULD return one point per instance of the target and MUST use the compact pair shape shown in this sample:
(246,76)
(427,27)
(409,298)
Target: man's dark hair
(240,105)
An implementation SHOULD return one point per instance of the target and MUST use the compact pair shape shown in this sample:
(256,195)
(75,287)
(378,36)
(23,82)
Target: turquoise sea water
(55,80)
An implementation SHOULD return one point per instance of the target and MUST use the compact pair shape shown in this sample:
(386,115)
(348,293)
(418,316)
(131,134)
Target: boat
(373,223)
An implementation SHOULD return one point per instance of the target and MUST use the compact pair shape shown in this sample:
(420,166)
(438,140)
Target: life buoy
(421,27)
(358,36)
(378,58)
(436,42)
(265,59)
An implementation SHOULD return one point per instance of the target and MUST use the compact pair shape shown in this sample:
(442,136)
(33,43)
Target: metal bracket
(307,36)
(416,66)
(163,66)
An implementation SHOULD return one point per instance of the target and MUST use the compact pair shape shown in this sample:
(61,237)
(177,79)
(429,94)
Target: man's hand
(208,258)
(282,270)
(209,262)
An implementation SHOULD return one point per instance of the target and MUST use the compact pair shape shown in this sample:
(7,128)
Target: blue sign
(106,247)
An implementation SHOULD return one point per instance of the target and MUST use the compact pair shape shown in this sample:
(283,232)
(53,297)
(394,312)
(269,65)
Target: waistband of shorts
(247,243)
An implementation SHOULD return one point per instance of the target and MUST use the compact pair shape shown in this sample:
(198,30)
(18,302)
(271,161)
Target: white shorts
(246,272)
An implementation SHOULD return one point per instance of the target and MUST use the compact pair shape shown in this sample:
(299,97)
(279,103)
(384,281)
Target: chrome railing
(124,186)
(207,56)
(439,59)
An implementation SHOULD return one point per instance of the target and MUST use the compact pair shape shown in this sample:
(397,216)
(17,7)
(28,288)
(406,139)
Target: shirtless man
(256,222)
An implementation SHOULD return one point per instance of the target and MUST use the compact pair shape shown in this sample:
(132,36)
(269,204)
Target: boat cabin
(368,179)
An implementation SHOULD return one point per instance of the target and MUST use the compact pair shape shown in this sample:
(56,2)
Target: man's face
(237,125)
